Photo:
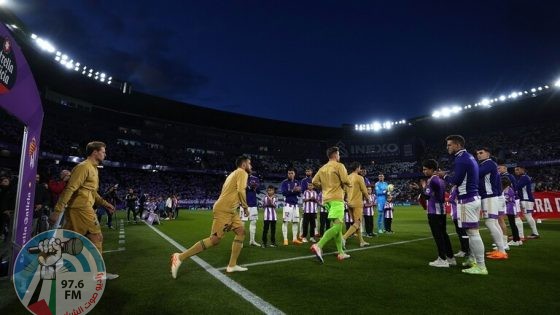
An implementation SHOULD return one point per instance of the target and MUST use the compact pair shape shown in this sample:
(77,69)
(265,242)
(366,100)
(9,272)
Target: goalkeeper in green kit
(332,178)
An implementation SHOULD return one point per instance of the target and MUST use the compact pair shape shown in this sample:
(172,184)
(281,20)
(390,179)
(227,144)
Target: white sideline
(249,296)
(276,261)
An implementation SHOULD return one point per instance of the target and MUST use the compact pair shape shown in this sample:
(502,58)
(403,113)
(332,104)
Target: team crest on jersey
(227,227)
(32,152)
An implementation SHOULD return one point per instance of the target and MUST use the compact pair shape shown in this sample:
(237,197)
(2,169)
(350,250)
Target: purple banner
(20,98)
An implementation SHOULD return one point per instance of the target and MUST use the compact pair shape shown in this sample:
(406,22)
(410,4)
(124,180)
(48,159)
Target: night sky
(318,62)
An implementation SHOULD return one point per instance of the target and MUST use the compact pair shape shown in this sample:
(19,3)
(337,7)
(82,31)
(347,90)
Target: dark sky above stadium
(318,62)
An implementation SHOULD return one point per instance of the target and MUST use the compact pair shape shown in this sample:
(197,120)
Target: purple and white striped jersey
(388,210)
(269,205)
(347,217)
(311,205)
(320,203)
(368,210)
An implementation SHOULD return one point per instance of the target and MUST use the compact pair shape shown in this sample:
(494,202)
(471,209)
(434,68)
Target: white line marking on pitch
(249,296)
(276,261)
(114,250)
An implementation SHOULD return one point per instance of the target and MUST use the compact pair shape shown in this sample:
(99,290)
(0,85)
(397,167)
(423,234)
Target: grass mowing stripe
(276,261)
(249,296)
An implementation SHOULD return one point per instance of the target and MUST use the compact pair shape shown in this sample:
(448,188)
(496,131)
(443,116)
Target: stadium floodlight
(45,45)
(102,74)
(109,82)
(533,90)
(64,57)
(519,93)
(110,78)
(456,109)
(485,102)
(12,25)
(377,126)
(557,83)
(356,127)
(436,114)
(546,86)
(502,98)
(58,53)
(84,72)
(539,88)
(33,36)
(57,58)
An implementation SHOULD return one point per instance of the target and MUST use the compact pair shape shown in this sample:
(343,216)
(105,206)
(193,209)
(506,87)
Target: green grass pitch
(391,277)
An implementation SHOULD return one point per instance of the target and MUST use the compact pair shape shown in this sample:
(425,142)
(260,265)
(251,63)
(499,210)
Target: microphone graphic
(72,246)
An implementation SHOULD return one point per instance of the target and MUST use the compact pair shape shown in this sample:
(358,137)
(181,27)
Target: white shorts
(253,214)
(517,206)
(491,207)
(290,213)
(468,214)
(527,206)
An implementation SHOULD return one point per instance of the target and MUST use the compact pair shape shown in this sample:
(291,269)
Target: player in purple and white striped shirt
(309,212)
(369,203)
(388,213)
(269,205)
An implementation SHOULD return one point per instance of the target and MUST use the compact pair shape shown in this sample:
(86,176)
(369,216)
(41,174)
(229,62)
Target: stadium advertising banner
(547,205)
(375,150)
(20,98)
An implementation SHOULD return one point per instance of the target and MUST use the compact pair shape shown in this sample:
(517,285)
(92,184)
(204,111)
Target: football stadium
(303,218)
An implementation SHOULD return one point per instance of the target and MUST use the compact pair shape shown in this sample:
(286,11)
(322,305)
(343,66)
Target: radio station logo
(59,272)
